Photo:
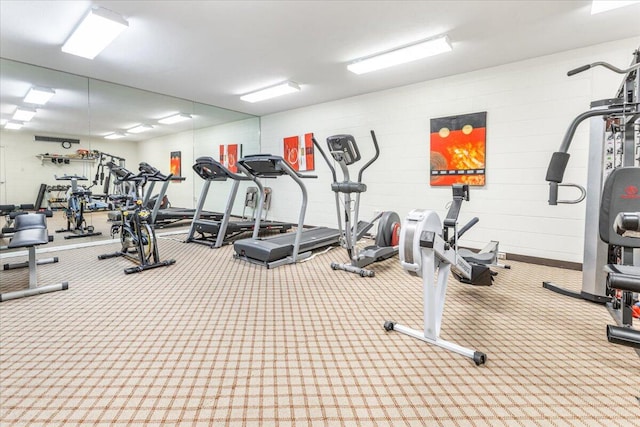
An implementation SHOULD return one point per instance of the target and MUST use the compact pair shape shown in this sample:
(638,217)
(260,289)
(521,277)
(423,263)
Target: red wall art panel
(229,155)
(175,165)
(299,153)
(458,147)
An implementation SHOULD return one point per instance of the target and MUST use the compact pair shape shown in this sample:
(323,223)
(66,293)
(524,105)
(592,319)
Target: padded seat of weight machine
(29,237)
(28,221)
(477,257)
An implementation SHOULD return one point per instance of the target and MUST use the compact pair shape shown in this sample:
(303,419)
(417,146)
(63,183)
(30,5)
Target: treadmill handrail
(152,173)
(284,168)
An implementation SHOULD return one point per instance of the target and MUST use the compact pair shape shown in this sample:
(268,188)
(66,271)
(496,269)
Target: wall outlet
(502,255)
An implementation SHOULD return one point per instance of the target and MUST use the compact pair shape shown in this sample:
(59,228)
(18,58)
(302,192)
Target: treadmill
(287,248)
(164,217)
(215,233)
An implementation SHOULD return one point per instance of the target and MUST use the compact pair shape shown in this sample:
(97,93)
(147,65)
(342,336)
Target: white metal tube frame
(431,259)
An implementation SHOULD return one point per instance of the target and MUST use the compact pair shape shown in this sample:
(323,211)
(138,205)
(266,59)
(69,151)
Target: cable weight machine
(613,143)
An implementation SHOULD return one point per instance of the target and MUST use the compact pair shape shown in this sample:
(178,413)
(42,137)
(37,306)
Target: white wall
(23,172)
(529,105)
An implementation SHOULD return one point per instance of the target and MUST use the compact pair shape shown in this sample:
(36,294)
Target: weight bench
(12,211)
(31,231)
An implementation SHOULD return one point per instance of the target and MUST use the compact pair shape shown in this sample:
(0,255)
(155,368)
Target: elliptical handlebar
(326,159)
(333,170)
(370,162)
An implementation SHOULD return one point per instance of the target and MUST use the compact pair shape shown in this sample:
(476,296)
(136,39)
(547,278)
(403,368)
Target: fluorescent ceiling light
(599,6)
(140,129)
(13,125)
(271,92)
(401,55)
(176,118)
(24,114)
(115,135)
(39,95)
(98,28)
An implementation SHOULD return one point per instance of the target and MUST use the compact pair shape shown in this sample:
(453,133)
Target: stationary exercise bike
(344,150)
(430,250)
(137,236)
(77,199)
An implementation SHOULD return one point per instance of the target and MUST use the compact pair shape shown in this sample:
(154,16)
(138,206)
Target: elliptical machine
(344,150)
(430,250)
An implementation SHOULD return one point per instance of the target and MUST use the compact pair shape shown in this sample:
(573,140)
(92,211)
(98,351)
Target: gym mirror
(63,136)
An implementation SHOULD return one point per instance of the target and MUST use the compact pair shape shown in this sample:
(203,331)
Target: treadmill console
(210,170)
(343,148)
(263,165)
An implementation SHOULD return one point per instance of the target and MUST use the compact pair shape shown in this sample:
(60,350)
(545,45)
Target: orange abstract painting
(458,146)
(175,164)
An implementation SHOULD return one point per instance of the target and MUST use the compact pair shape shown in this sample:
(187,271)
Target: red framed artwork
(229,155)
(299,153)
(458,148)
(175,164)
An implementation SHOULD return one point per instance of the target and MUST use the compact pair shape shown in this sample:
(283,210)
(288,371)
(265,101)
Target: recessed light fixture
(140,129)
(13,125)
(115,135)
(97,29)
(599,6)
(412,52)
(39,95)
(24,114)
(271,92)
(176,118)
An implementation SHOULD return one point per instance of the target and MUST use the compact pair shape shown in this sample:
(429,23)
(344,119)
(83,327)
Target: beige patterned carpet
(212,341)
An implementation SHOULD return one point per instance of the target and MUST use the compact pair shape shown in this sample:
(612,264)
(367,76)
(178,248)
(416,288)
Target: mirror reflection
(60,158)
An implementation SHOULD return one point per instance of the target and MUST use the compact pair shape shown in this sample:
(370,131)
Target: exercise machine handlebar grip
(605,65)
(467,226)
(627,221)
(578,70)
(557,166)
(623,282)
(623,336)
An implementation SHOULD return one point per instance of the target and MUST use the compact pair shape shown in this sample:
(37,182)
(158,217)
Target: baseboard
(546,262)
(540,261)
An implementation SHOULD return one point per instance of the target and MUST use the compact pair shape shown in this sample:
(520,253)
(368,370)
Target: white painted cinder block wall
(529,106)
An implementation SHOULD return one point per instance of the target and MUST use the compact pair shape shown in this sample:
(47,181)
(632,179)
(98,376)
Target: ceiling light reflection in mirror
(81,108)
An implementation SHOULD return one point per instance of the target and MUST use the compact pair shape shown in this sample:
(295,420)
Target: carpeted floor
(213,341)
